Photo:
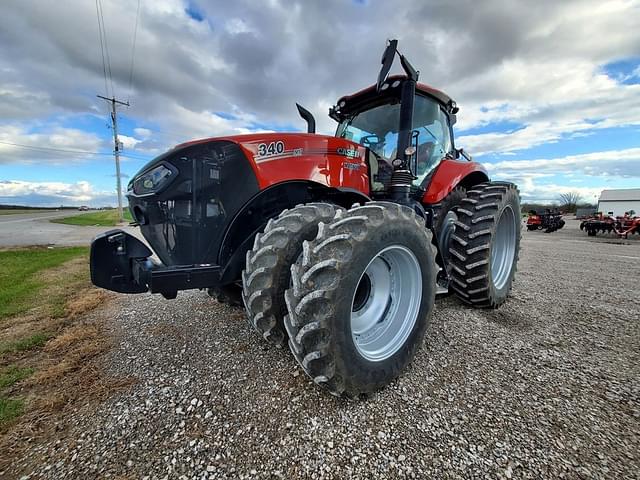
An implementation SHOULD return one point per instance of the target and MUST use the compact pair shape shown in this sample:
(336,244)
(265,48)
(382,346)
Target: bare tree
(569,201)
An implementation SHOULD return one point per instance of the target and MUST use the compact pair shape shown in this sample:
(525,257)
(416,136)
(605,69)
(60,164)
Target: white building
(617,202)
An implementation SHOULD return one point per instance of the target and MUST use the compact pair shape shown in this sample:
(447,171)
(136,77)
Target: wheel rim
(386,303)
(504,248)
(447,229)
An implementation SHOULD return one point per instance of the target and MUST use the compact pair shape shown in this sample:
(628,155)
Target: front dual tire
(351,291)
(361,296)
(267,270)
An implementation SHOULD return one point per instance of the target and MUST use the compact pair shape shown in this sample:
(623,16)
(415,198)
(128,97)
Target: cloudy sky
(549,90)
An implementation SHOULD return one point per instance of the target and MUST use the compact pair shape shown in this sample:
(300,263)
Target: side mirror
(387,60)
(461,153)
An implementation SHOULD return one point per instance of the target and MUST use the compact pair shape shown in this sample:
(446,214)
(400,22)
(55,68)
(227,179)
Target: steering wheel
(370,140)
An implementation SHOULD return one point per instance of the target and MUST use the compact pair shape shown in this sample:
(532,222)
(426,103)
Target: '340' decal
(272,148)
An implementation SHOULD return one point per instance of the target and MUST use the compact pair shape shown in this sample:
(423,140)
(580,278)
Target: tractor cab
(372,120)
(405,125)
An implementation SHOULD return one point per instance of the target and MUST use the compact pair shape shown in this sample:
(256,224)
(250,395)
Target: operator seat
(380,171)
(425,157)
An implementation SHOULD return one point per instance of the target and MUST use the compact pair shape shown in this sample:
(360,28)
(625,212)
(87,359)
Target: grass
(14,374)
(50,350)
(36,340)
(10,408)
(102,218)
(20,279)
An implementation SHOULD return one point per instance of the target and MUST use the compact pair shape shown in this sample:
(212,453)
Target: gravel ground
(546,387)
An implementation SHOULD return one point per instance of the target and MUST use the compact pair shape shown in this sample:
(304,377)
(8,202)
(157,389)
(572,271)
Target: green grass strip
(13,374)
(10,408)
(102,218)
(29,343)
(19,279)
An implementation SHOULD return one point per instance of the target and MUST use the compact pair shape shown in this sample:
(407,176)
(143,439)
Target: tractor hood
(186,199)
(279,157)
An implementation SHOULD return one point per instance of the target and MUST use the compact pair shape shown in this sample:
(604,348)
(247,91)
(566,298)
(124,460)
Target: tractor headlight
(152,181)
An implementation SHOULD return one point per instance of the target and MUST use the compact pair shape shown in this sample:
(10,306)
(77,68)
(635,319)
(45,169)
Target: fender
(267,204)
(451,173)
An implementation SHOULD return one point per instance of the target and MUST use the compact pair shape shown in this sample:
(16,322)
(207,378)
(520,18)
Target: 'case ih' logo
(349,152)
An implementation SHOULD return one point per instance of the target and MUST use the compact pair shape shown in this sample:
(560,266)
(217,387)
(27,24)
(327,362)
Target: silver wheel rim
(503,249)
(447,229)
(385,305)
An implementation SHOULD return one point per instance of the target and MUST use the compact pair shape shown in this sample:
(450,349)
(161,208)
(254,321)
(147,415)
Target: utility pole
(116,151)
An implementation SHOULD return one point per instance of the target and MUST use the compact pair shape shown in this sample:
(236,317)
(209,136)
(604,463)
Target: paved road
(36,229)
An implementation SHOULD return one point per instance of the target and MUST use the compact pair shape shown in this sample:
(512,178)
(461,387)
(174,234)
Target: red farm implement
(548,221)
(621,226)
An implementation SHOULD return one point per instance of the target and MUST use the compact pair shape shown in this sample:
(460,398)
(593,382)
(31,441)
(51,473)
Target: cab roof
(369,95)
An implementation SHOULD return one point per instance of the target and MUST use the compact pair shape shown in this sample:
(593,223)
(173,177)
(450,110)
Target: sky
(549,91)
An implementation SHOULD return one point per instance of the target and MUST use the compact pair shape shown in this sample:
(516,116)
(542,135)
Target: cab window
(431,126)
(376,129)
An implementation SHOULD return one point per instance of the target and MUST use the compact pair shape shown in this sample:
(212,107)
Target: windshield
(377,129)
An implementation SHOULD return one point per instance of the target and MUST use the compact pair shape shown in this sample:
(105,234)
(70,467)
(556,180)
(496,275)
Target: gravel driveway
(546,387)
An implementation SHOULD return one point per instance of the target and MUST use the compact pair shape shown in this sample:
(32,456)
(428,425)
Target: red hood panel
(280,157)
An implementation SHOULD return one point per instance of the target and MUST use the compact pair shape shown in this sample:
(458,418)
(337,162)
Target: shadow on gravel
(513,320)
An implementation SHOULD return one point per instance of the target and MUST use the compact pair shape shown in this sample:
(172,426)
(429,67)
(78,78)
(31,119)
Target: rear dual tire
(484,251)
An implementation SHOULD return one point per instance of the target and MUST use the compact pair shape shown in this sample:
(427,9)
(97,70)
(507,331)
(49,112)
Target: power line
(106,44)
(104,67)
(32,147)
(106,47)
(133,48)
(135,157)
(63,150)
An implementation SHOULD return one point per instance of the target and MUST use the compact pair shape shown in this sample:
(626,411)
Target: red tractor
(335,245)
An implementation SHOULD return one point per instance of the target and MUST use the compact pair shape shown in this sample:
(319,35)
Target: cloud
(53,194)
(143,133)
(129,142)
(536,66)
(550,193)
(19,102)
(545,179)
(57,146)
(616,163)
(547,107)
(260,62)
